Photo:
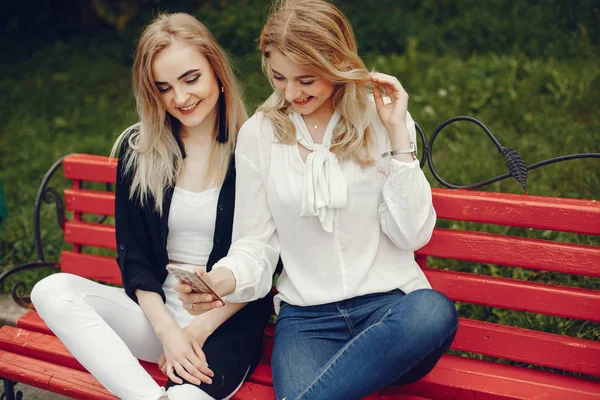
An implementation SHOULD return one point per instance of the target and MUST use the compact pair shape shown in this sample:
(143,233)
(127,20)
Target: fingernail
(209,381)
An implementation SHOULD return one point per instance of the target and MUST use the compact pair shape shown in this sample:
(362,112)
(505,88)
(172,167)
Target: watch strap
(410,150)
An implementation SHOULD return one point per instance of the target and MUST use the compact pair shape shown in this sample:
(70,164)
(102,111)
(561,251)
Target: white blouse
(342,230)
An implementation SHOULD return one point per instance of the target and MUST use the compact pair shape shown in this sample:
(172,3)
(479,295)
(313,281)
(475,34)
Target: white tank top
(192,219)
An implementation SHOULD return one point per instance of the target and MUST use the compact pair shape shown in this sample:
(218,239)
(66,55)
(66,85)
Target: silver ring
(193,306)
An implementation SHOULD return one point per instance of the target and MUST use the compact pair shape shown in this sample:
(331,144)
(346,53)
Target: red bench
(30,354)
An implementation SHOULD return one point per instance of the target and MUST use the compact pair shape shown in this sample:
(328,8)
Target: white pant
(107,333)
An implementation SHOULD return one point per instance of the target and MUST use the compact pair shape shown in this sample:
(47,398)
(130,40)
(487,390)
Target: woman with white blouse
(328,179)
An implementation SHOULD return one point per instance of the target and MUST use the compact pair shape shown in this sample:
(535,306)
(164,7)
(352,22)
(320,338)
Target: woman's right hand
(221,279)
(183,354)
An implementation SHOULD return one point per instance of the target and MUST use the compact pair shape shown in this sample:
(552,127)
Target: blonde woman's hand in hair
(182,354)
(392,114)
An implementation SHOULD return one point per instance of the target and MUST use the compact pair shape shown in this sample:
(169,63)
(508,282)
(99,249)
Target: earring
(223,134)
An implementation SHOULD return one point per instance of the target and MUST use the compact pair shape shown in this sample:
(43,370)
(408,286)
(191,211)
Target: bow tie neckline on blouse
(324,187)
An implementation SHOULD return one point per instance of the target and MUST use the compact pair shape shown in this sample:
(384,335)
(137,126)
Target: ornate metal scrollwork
(47,195)
(50,196)
(19,295)
(517,168)
(18,291)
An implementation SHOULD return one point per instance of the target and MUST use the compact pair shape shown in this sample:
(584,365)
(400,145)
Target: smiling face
(308,93)
(187,83)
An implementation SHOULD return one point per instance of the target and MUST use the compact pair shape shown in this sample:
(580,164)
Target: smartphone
(186,275)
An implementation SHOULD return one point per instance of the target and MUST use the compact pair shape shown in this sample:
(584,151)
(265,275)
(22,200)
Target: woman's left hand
(198,334)
(393,114)
(183,357)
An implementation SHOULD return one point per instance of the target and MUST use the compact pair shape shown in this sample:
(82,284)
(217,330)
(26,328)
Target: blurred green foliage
(536,28)
(530,70)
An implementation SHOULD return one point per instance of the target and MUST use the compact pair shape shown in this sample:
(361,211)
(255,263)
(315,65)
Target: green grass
(75,97)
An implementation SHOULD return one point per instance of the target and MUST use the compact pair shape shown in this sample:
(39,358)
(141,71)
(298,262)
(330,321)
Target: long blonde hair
(315,35)
(153,155)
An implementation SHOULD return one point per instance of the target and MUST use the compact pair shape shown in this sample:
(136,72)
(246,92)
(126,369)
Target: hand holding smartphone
(189,277)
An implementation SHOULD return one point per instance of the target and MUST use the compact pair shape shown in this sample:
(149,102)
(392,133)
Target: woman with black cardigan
(174,203)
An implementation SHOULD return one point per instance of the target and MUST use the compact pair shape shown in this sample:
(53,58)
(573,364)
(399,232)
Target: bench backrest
(504,255)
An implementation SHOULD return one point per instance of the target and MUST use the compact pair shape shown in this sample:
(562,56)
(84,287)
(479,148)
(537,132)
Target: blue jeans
(352,348)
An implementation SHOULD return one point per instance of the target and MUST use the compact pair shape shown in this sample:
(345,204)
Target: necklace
(315,126)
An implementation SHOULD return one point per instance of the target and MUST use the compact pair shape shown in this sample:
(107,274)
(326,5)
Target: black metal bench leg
(9,391)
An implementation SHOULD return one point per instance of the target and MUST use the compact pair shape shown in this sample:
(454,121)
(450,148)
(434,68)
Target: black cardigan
(142,257)
(142,233)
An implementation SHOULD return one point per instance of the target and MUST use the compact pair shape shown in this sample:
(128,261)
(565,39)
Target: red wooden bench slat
(561,301)
(31,321)
(90,234)
(49,348)
(54,378)
(513,251)
(528,346)
(36,344)
(466,378)
(98,268)
(90,201)
(262,375)
(87,167)
(539,212)
(254,391)
(385,395)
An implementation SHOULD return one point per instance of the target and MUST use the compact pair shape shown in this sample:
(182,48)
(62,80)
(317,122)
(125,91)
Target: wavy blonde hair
(316,36)
(153,155)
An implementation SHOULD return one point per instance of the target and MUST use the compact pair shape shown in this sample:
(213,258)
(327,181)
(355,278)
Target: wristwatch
(412,150)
